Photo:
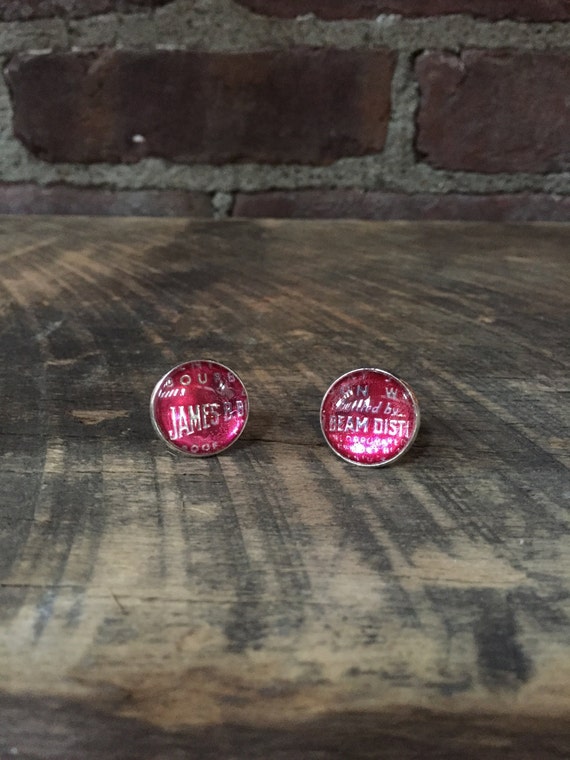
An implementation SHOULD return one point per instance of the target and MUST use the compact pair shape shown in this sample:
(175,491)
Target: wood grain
(276,602)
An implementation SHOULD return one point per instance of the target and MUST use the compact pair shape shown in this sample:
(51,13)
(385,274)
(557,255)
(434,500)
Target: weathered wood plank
(275,601)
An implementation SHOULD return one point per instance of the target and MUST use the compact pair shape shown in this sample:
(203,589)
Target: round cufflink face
(199,408)
(369,417)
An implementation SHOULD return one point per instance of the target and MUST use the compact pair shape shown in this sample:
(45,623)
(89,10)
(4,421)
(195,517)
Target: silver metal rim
(165,440)
(414,403)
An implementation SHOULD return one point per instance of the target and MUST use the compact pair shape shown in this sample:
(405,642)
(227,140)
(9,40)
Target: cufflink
(369,417)
(199,408)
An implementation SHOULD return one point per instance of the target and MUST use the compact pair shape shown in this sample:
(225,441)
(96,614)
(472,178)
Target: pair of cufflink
(368,416)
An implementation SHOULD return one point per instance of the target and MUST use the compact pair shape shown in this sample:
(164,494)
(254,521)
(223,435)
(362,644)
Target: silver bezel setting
(159,432)
(415,404)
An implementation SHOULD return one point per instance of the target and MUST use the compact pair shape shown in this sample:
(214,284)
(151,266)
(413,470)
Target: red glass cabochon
(369,417)
(199,408)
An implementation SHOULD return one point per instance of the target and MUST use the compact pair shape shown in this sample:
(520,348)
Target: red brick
(525,10)
(24,10)
(297,106)
(359,204)
(499,111)
(63,199)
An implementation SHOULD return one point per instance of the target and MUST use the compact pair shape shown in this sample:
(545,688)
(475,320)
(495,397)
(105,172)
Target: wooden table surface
(276,602)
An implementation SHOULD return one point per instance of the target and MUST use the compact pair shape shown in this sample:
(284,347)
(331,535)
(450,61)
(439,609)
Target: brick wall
(446,109)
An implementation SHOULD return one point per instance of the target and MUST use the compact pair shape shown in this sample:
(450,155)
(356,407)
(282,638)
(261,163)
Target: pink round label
(199,408)
(369,417)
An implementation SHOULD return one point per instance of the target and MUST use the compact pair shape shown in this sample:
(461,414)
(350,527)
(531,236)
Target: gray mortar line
(398,154)
(36,36)
(222,205)
(367,174)
(222,26)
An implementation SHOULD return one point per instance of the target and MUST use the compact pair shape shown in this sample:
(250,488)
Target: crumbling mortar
(398,156)
(222,26)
